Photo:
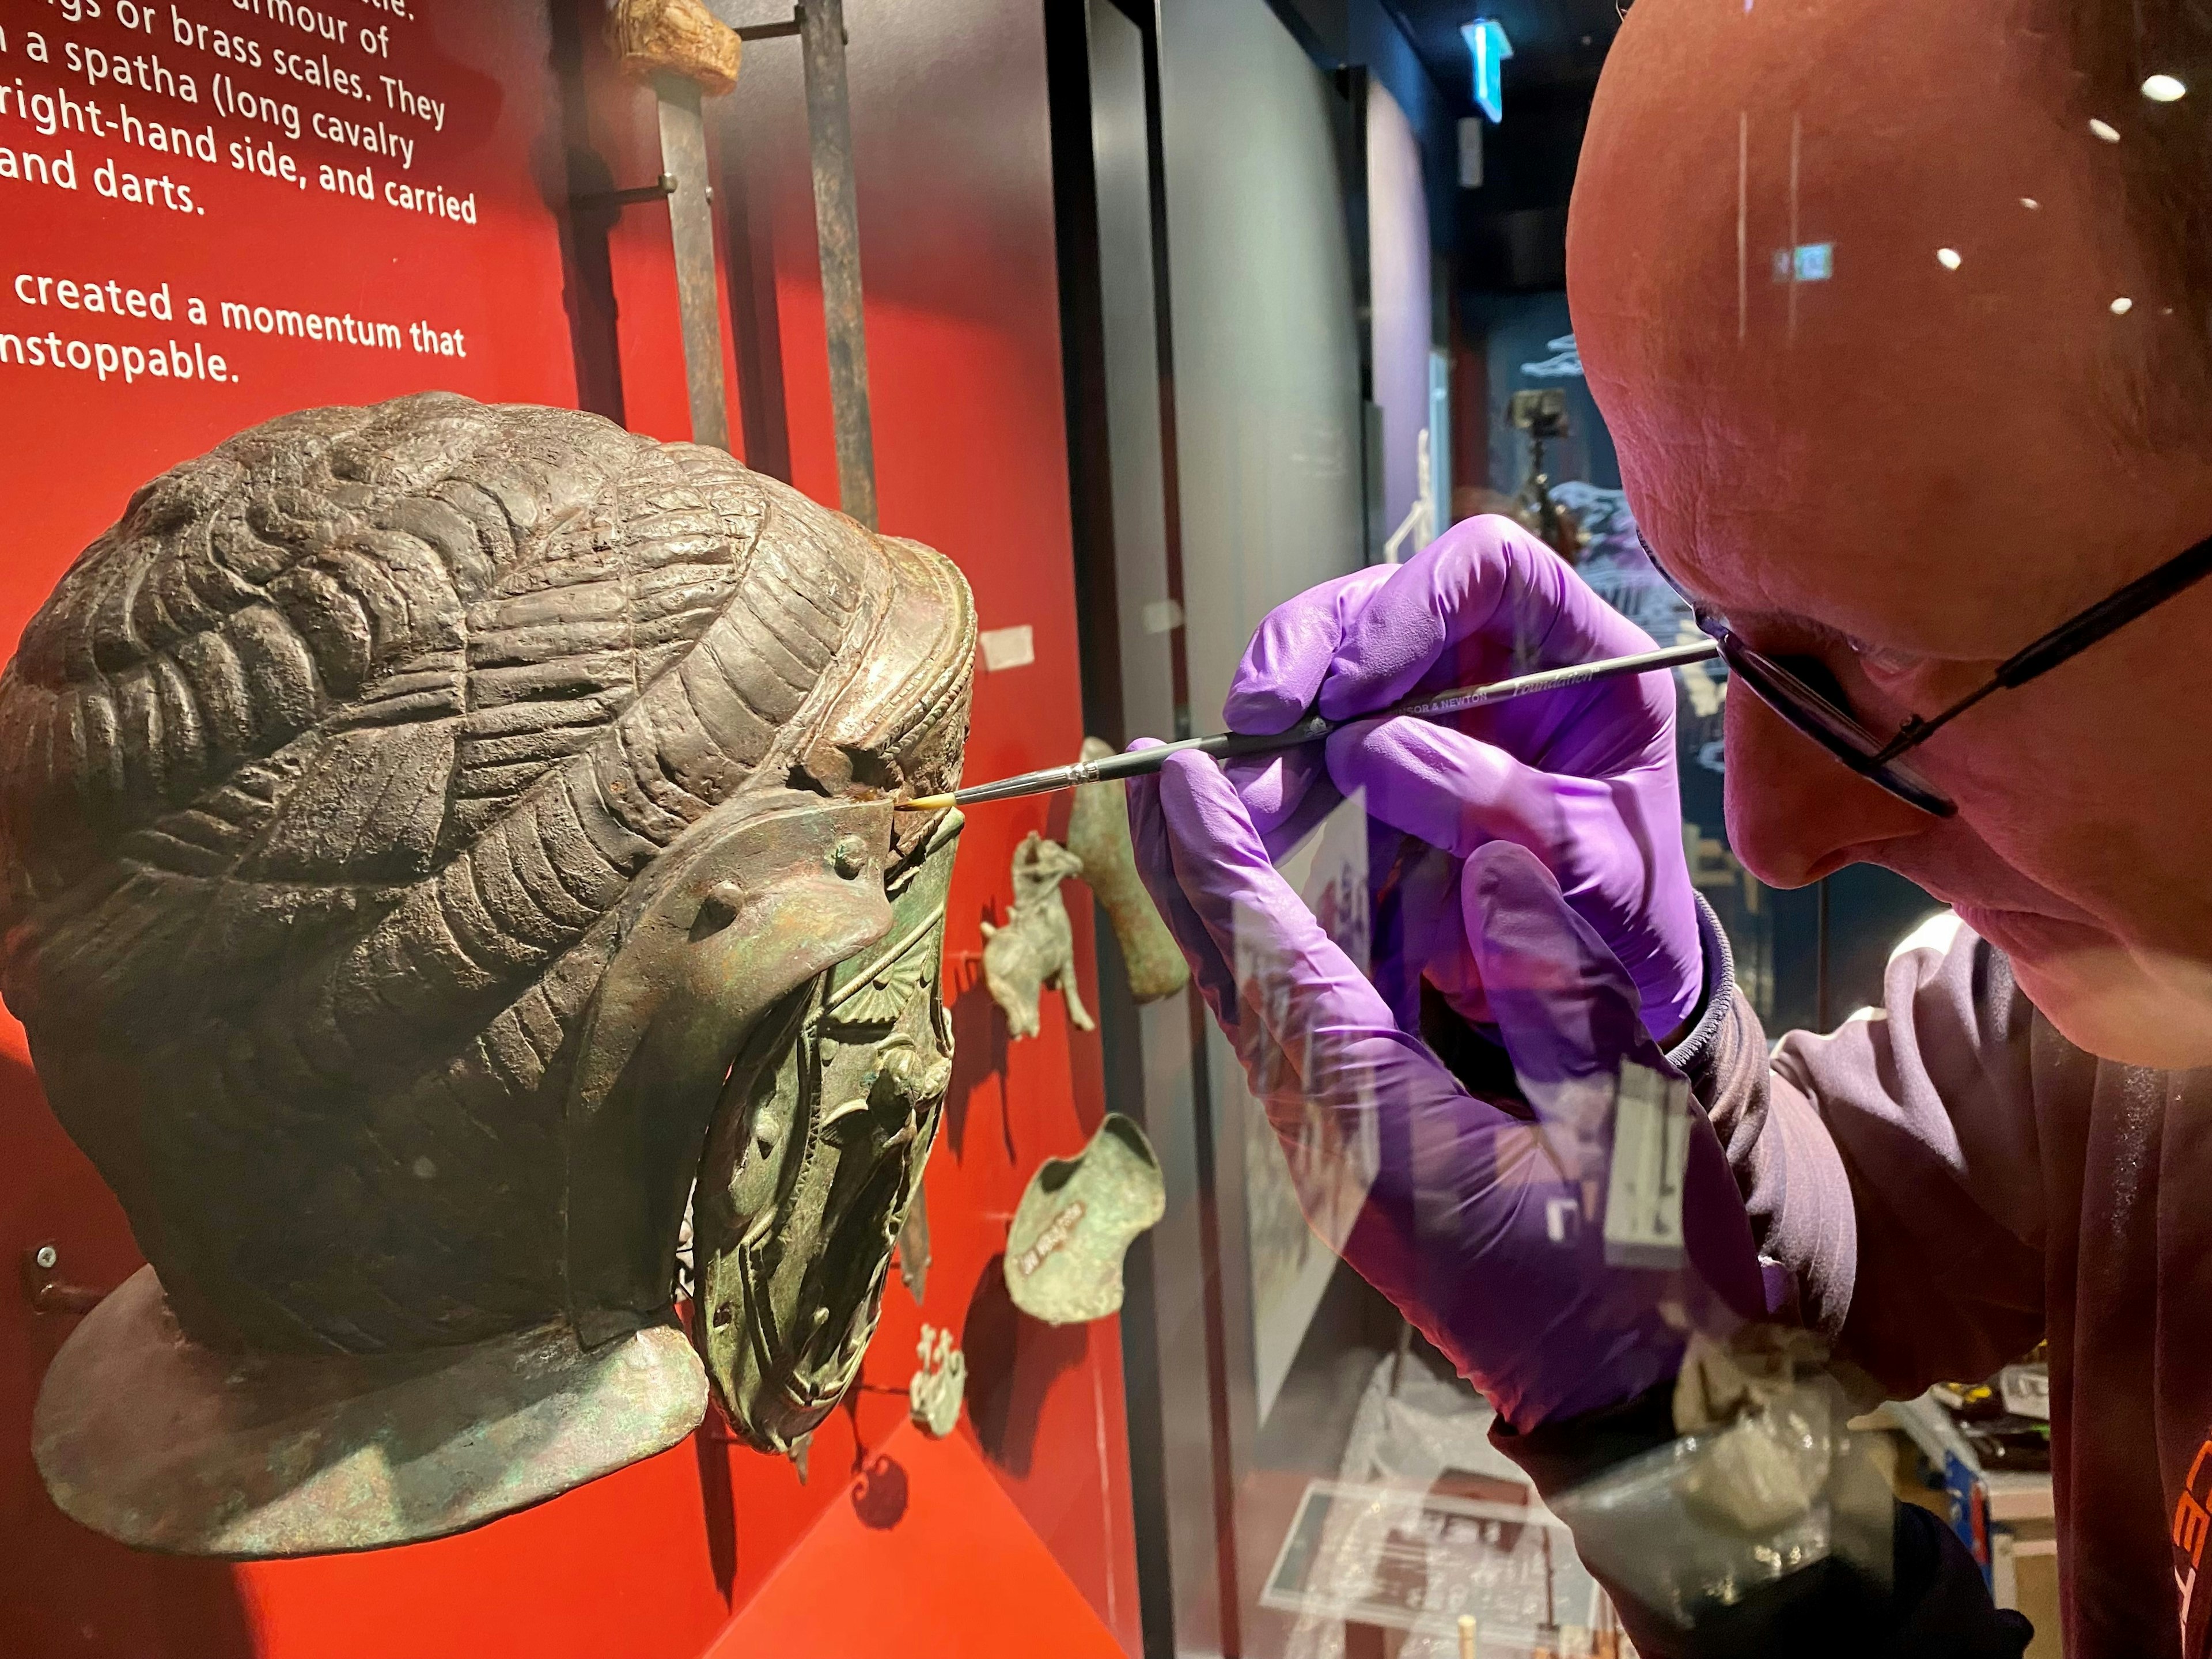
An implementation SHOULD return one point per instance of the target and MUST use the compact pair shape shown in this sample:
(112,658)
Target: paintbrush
(1229,744)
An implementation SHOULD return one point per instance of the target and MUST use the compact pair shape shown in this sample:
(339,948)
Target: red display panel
(463,232)
(893,1575)
(214,216)
(951,142)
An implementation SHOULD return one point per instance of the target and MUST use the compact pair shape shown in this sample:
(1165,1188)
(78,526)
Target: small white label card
(1650,1154)
(1008,647)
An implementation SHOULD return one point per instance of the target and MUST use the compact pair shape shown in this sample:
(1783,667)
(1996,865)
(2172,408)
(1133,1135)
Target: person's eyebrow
(1772,616)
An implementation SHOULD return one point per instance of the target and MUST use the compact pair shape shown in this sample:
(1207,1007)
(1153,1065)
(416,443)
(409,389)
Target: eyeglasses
(1822,714)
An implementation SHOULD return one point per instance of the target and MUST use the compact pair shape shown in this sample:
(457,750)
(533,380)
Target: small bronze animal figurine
(1033,947)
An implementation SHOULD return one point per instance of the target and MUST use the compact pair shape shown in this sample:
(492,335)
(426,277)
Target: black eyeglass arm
(2107,615)
(2069,639)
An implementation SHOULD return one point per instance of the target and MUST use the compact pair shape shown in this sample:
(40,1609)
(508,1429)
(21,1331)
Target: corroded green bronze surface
(1075,1222)
(1098,834)
(144,1434)
(826,1123)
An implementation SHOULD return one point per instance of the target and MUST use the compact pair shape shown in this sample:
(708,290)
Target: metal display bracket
(618,199)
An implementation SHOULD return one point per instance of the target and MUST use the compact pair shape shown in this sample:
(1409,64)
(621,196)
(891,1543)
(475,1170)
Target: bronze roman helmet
(437,837)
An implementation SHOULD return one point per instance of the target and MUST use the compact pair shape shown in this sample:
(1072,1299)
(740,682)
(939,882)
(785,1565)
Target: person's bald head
(1911,141)
(1993,409)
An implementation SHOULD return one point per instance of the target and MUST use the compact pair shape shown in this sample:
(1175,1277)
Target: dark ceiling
(1557,44)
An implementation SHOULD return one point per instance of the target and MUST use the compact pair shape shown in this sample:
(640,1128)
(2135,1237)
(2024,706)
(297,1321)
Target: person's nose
(1795,812)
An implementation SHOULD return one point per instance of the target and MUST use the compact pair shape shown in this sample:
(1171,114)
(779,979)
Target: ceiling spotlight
(1947,257)
(2121,305)
(2029,203)
(2164,89)
(2106,131)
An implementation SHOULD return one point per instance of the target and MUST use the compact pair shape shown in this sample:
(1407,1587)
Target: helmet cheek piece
(781,887)
(769,1045)
(815,1156)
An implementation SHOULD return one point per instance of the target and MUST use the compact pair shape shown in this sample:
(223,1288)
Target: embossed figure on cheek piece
(437,838)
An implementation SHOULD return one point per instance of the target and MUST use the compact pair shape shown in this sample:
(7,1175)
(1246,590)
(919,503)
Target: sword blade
(691,230)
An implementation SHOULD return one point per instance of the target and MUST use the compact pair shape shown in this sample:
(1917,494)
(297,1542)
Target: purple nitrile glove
(1485,1221)
(1582,778)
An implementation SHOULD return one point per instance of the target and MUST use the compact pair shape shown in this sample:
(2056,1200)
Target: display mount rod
(820,26)
(629,198)
(837,225)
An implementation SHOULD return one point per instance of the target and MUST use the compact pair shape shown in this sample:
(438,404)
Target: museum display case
(638,1019)
(631,1269)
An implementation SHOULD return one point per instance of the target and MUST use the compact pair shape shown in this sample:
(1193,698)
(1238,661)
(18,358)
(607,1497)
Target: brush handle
(1227,745)
(1141,762)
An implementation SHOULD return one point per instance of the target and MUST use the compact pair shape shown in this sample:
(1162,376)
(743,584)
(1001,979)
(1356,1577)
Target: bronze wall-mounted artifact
(435,835)
(935,1390)
(1034,948)
(914,1247)
(1098,834)
(1076,1220)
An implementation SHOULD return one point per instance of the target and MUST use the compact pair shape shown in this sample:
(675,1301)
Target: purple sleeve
(1892,1167)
